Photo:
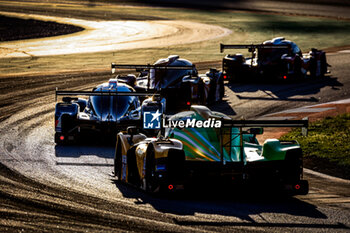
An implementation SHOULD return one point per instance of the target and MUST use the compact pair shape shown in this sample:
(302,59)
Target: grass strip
(327,146)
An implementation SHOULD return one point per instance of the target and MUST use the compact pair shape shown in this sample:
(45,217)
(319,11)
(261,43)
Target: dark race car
(206,148)
(110,107)
(274,59)
(176,80)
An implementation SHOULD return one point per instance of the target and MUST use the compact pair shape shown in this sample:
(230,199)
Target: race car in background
(227,155)
(274,59)
(177,80)
(109,108)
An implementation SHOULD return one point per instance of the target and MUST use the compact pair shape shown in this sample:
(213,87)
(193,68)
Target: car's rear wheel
(323,64)
(118,160)
(297,68)
(222,87)
(150,183)
(133,174)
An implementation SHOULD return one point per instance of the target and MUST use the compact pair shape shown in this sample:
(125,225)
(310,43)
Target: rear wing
(251,47)
(101,93)
(265,123)
(115,66)
(303,124)
(255,123)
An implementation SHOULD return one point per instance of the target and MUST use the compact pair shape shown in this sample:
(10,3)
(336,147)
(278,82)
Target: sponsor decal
(124,166)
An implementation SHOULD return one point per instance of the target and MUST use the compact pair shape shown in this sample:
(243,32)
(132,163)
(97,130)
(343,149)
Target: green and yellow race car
(205,147)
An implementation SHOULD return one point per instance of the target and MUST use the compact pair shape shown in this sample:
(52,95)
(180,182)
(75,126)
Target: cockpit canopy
(268,54)
(171,77)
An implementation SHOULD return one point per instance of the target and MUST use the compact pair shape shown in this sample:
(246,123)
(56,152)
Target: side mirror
(135,114)
(285,57)
(190,79)
(132,130)
(256,131)
(206,80)
(186,78)
(69,99)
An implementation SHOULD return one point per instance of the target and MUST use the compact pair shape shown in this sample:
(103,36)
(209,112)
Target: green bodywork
(207,144)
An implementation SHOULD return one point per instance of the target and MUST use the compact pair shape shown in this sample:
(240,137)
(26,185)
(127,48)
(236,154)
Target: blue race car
(110,107)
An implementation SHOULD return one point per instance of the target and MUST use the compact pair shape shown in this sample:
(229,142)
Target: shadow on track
(82,155)
(285,91)
(231,203)
(224,107)
(88,143)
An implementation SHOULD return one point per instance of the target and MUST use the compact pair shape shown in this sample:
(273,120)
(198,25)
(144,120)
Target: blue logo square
(151,119)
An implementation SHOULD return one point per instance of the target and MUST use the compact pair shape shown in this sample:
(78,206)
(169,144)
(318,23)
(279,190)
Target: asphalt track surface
(53,188)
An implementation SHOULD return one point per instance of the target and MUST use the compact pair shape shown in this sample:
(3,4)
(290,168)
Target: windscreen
(112,108)
(170,77)
(271,55)
(274,55)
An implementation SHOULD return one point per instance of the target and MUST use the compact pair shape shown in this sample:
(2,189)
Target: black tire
(150,183)
(212,92)
(222,87)
(118,160)
(201,94)
(323,64)
(297,68)
(184,94)
(133,174)
(312,68)
(293,165)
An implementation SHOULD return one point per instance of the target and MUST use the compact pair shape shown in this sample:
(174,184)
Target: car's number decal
(144,167)
(124,166)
